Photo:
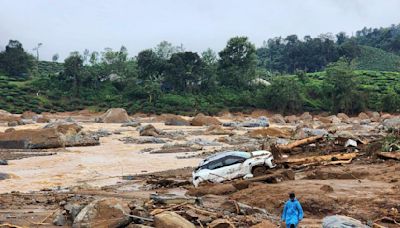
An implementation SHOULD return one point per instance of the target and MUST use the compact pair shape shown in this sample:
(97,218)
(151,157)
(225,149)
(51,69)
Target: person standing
(292,212)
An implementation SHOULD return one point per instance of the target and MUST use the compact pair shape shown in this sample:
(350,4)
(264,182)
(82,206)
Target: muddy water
(95,165)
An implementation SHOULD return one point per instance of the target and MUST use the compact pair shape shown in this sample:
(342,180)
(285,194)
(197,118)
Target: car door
(226,168)
(233,166)
(215,171)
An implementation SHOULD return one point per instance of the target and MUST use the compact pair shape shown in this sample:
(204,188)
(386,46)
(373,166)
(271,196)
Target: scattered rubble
(131,124)
(261,121)
(325,157)
(142,140)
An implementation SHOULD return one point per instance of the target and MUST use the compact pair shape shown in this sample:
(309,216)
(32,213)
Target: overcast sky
(68,25)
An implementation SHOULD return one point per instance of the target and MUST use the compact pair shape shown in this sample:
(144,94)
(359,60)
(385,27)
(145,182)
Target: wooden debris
(158,211)
(290,146)
(329,159)
(390,155)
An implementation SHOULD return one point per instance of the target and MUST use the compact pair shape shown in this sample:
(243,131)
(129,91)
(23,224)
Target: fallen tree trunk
(390,155)
(334,159)
(290,146)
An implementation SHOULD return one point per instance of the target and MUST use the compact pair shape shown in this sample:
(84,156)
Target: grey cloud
(68,25)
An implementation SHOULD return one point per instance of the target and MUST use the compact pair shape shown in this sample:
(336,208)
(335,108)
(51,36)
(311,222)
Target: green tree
(55,57)
(391,101)
(341,88)
(165,49)
(150,65)
(15,61)
(209,58)
(237,64)
(184,72)
(73,72)
(285,95)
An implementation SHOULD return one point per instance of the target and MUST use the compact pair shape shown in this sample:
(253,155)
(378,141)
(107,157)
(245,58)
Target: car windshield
(223,161)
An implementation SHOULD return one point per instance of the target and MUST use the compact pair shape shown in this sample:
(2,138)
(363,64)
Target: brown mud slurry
(43,181)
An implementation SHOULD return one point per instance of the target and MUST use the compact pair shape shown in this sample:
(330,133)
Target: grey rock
(73,209)
(315,132)
(114,211)
(130,124)
(203,142)
(4,176)
(340,221)
(12,123)
(393,123)
(25,121)
(70,120)
(59,219)
(3,162)
(102,132)
(142,140)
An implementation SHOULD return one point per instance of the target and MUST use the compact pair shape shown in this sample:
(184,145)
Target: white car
(233,164)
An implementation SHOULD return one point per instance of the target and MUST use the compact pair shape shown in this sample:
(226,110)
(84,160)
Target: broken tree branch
(297,143)
(390,155)
(155,212)
(204,212)
(319,159)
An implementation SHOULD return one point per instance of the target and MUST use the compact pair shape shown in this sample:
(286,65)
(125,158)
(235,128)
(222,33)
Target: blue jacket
(292,212)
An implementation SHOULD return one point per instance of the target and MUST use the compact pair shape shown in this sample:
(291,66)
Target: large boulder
(175,120)
(149,130)
(65,127)
(8,117)
(43,119)
(392,124)
(278,119)
(306,116)
(375,116)
(363,116)
(31,139)
(114,115)
(291,119)
(202,120)
(217,130)
(72,134)
(341,221)
(169,219)
(103,213)
(261,121)
(334,119)
(343,117)
(29,115)
(53,135)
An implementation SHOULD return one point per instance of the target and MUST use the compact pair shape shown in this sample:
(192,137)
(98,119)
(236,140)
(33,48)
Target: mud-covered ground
(41,182)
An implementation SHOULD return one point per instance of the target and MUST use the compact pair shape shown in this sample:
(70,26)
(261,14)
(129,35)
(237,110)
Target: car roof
(214,157)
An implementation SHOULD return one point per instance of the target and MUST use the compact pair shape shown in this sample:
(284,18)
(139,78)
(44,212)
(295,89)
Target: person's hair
(292,226)
(292,195)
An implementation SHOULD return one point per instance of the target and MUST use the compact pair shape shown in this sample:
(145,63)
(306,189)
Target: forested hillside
(335,73)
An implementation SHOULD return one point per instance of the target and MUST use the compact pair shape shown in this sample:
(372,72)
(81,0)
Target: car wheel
(259,171)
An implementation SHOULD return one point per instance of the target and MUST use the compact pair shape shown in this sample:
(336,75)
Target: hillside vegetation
(376,59)
(288,75)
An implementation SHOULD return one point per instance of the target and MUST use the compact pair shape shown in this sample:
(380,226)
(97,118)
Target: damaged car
(232,164)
